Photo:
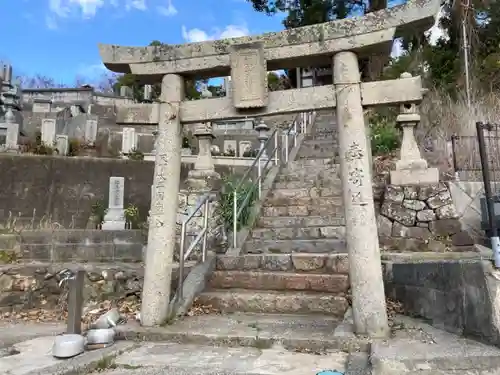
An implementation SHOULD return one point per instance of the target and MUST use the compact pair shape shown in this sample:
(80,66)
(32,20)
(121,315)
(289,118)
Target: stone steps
(303,263)
(332,206)
(299,222)
(309,182)
(319,164)
(275,280)
(304,193)
(296,333)
(334,201)
(317,148)
(313,246)
(293,210)
(275,302)
(305,233)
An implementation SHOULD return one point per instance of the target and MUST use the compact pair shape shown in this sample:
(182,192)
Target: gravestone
(48,131)
(340,44)
(62,144)
(128,140)
(90,132)
(230,147)
(243,147)
(115,218)
(42,105)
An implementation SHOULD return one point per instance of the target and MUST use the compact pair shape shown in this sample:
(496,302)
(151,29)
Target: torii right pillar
(365,269)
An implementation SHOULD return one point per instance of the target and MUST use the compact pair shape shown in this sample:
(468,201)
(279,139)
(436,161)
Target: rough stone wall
(36,286)
(459,296)
(414,218)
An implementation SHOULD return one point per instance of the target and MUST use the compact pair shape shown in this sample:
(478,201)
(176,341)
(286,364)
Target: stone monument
(339,43)
(115,217)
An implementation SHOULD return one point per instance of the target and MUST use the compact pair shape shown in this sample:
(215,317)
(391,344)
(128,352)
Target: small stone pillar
(164,205)
(365,270)
(411,168)
(263,136)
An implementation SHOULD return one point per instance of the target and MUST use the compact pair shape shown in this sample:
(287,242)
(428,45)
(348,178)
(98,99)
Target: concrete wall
(63,189)
(466,197)
(459,296)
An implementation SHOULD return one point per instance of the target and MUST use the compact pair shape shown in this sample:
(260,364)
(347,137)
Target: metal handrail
(306,118)
(204,202)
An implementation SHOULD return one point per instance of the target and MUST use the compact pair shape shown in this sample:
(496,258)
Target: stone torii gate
(247,60)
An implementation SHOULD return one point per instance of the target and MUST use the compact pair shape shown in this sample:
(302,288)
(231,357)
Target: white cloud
(92,70)
(434,34)
(63,8)
(86,9)
(230,31)
(50,22)
(136,4)
(167,10)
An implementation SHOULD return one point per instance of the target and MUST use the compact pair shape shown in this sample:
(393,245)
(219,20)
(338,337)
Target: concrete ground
(243,344)
(11,333)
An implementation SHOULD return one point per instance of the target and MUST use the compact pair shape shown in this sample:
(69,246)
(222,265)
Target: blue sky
(58,38)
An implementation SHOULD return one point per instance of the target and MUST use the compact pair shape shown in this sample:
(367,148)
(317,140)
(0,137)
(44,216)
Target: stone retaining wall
(36,285)
(73,245)
(414,218)
(460,296)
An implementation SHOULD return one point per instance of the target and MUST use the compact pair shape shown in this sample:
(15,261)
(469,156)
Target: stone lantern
(411,168)
(262,135)
(203,175)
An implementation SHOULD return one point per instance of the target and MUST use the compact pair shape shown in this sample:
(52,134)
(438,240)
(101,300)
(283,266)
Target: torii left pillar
(164,204)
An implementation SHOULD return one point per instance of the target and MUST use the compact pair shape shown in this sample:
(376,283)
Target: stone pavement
(241,345)
(171,358)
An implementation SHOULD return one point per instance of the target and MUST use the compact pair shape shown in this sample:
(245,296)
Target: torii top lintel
(284,49)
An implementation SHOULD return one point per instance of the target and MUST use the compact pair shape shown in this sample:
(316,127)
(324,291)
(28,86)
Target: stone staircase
(304,211)
(294,261)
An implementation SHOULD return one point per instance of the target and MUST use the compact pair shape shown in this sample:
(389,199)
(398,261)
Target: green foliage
(133,81)
(98,211)
(132,216)
(136,154)
(225,209)
(37,147)
(74,147)
(385,137)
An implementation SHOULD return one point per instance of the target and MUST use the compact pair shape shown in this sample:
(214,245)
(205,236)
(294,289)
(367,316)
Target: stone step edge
(267,229)
(282,273)
(287,293)
(295,262)
(279,281)
(261,340)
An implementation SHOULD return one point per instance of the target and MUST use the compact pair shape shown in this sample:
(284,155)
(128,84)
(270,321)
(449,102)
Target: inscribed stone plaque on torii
(248,76)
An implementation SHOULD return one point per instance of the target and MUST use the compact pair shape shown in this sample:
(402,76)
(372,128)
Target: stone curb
(86,362)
